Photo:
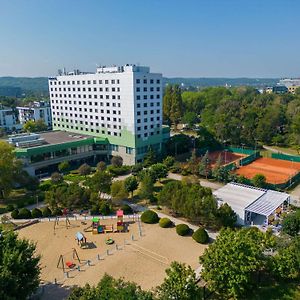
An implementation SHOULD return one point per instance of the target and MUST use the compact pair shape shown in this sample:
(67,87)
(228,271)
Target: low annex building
(253,206)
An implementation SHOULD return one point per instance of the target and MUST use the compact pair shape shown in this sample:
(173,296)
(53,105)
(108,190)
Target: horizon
(198,39)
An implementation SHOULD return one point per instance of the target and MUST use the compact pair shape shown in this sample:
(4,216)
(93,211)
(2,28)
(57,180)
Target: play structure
(96,227)
(68,264)
(109,241)
(81,239)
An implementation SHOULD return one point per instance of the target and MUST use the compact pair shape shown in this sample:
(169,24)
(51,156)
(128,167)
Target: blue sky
(191,38)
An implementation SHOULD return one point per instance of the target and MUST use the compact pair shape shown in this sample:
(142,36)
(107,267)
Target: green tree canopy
(230,263)
(35,126)
(9,169)
(179,284)
(19,267)
(131,184)
(110,289)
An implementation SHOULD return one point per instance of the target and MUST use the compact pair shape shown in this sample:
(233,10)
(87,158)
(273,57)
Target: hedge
(46,212)
(182,229)
(165,222)
(15,214)
(201,236)
(126,209)
(56,212)
(150,217)
(36,213)
(24,213)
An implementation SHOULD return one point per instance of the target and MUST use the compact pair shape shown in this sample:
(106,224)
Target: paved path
(203,182)
(275,150)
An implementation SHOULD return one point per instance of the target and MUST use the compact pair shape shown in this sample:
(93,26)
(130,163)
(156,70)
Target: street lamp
(37,201)
(226,150)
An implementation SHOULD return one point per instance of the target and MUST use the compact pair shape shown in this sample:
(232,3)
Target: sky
(187,38)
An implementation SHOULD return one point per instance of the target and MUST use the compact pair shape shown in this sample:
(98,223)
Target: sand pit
(143,260)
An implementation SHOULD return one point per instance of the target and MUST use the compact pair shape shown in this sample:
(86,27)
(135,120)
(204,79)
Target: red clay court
(227,157)
(276,170)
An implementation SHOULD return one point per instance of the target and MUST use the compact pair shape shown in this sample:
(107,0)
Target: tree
(131,184)
(101,182)
(56,178)
(118,190)
(159,171)
(259,180)
(35,126)
(230,263)
(179,284)
(169,161)
(101,166)
(227,217)
(9,168)
(117,161)
(286,262)
(84,169)
(167,103)
(291,223)
(63,166)
(112,289)
(19,267)
(176,105)
(147,187)
(190,118)
(150,158)
(204,166)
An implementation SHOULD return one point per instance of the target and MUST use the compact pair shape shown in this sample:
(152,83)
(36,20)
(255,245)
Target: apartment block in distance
(121,105)
(35,111)
(8,121)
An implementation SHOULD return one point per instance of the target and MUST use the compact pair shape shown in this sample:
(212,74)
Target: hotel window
(138,89)
(158,81)
(145,89)
(145,97)
(106,81)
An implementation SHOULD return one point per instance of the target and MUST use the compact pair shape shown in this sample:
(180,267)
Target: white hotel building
(121,105)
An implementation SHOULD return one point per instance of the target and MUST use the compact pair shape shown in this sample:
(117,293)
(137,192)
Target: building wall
(35,113)
(8,120)
(122,104)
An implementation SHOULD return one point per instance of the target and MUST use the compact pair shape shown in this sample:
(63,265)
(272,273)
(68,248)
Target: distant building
(36,111)
(8,120)
(291,84)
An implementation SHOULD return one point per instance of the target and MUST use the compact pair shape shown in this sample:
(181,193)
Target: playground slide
(87,229)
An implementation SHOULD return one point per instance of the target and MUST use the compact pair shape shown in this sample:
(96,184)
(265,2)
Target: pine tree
(167,101)
(176,105)
(204,166)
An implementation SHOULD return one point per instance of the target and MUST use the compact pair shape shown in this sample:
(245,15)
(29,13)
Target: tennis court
(226,156)
(276,170)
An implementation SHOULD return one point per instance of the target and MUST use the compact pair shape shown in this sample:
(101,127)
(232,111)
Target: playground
(72,255)
(277,171)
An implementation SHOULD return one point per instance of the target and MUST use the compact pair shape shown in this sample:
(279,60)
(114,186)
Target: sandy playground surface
(143,260)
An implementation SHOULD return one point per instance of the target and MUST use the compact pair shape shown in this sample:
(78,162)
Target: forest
(236,116)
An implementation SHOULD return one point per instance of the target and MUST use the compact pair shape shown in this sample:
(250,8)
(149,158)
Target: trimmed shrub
(201,236)
(165,222)
(150,217)
(10,207)
(36,213)
(127,209)
(182,229)
(46,212)
(15,214)
(45,186)
(57,212)
(24,213)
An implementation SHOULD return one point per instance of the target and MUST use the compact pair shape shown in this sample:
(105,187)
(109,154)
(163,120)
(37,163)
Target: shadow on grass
(273,290)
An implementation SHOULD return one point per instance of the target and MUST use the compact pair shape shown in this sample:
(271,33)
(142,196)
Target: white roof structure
(242,198)
(268,203)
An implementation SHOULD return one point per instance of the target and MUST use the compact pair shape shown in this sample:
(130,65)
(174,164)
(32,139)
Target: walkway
(203,182)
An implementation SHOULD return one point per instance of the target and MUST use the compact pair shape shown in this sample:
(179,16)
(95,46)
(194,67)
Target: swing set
(68,264)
